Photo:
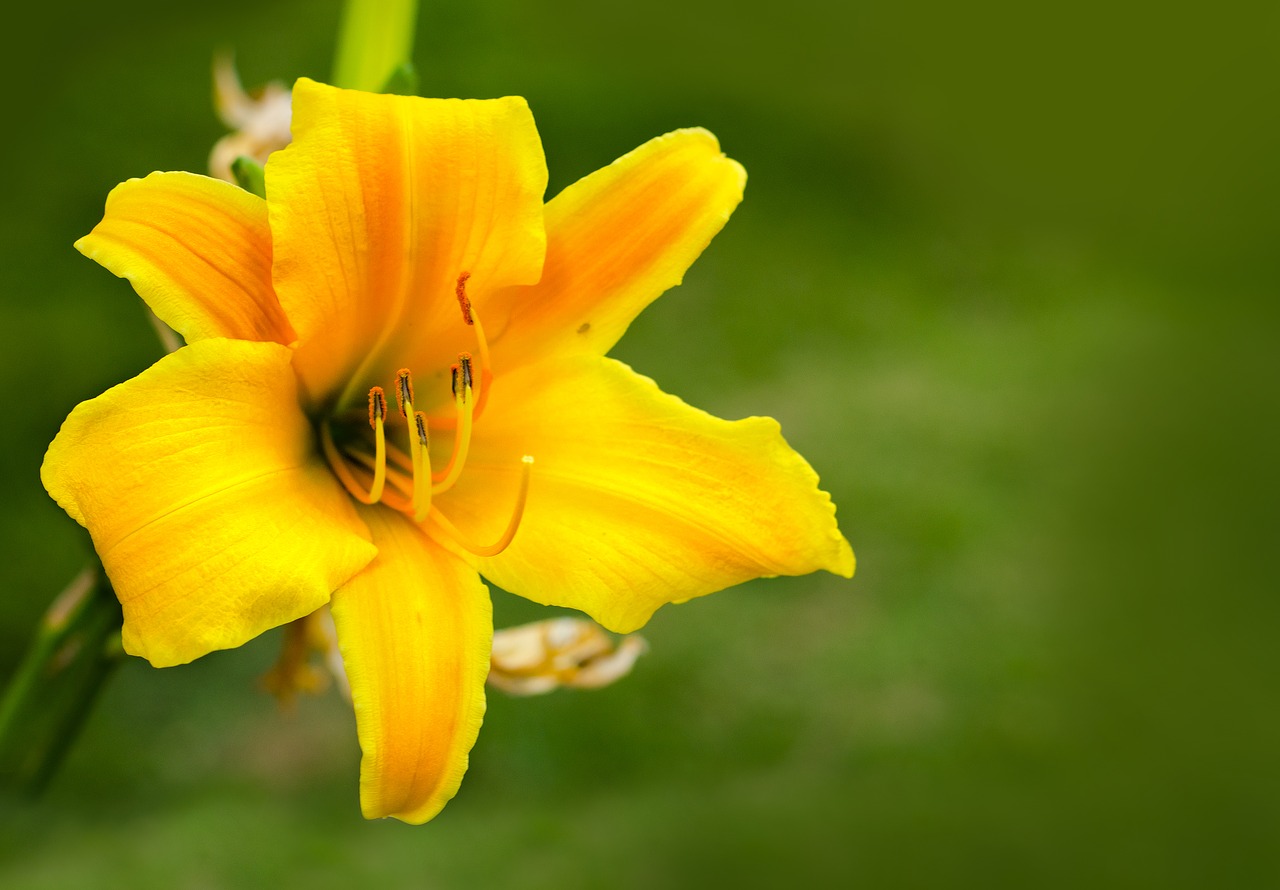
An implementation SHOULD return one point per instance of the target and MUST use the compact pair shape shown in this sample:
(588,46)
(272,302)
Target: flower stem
(76,647)
(375,43)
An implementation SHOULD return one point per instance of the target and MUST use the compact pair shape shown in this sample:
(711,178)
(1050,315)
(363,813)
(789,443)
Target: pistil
(508,535)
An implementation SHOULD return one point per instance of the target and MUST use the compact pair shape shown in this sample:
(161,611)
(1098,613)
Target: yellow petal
(415,629)
(378,206)
(198,483)
(197,250)
(615,241)
(636,498)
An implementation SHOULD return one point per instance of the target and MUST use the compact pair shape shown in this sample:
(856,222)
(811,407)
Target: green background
(1007,275)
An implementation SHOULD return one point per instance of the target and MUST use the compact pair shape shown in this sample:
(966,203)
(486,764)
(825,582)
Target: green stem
(375,40)
(76,647)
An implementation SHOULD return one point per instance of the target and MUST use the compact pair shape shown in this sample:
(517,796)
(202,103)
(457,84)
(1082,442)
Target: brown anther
(453,378)
(377,406)
(464,360)
(420,420)
(463,300)
(404,390)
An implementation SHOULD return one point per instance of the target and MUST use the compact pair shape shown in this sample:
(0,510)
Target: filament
(377,413)
(485,374)
(464,405)
(422,475)
(340,468)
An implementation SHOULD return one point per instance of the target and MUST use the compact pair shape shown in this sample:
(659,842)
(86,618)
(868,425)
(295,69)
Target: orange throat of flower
(402,478)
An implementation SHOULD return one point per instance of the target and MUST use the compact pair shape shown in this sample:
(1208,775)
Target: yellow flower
(258,473)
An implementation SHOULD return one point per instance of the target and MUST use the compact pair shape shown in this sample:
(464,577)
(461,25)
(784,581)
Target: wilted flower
(535,658)
(259,121)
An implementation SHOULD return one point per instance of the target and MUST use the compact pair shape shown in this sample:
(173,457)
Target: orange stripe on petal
(415,629)
(212,515)
(636,499)
(616,240)
(197,250)
(377,207)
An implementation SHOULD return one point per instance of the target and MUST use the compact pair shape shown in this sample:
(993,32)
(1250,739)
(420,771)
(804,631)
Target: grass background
(1006,274)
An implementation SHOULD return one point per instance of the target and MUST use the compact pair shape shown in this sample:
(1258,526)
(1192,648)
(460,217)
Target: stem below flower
(76,647)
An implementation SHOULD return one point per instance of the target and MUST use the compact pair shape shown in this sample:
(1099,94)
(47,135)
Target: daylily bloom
(262,471)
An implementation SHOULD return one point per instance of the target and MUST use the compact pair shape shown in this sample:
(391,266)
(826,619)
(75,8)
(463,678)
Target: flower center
(402,478)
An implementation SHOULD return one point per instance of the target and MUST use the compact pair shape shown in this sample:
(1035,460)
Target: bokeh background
(1007,274)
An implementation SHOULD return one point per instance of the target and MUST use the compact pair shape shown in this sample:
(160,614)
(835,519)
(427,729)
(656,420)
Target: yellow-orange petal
(636,498)
(415,630)
(208,507)
(377,207)
(197,250)
(616,240)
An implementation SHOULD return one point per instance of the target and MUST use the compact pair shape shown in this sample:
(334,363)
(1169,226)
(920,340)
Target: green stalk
(76,647)
(375,41)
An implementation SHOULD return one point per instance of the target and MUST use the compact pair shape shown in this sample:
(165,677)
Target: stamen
(399,458)
(404,392)
(464,362)
(417,431)
(482,343)
(377,406)
(464,404)
(399,486)
(340,468)
(412,482)
(422,476)
(377,411)
(461,293)
(513,524)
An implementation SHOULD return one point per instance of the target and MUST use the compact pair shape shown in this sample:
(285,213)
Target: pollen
(377,406)
(460,291)
(472,319)
(404,392)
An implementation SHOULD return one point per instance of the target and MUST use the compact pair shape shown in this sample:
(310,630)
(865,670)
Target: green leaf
(375,39)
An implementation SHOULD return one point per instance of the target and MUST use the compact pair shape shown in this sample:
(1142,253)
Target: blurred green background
(1006,273)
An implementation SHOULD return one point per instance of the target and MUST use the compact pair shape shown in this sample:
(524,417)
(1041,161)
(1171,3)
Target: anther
(421,469)
(378,411)
(339,466)
(461,293)
(404,392)
(464,405)
(464,361)
(482,345)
